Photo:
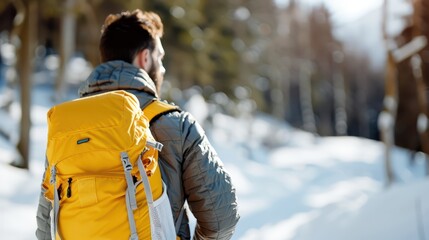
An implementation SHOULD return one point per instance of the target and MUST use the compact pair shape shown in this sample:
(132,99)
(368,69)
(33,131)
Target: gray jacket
(189,165)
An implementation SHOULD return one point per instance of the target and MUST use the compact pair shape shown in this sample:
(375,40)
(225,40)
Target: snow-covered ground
(321,188)
(290,184)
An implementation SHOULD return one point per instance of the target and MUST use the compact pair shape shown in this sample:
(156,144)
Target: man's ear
(143,60)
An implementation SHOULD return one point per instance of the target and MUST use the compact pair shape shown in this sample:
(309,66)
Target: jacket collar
(119,75)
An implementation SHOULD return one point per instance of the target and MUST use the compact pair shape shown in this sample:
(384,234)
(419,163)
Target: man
(131,52)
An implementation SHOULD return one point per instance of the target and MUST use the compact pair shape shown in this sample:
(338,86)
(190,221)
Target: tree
(305,48)
(27,34)
(67,45)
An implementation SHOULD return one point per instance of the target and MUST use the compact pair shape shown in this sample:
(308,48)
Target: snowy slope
(312,186)
(397,213)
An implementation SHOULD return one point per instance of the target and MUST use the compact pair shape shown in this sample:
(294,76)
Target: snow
(290,184)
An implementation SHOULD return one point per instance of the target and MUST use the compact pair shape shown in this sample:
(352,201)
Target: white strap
(130,195)
(149,197)
(145,181)
(131,190)
(157,145)
(56,207)
(131,221)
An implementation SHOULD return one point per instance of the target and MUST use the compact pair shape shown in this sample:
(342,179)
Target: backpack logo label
(85,140)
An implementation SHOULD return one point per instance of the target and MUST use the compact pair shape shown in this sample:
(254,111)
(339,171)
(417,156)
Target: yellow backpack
(99,151)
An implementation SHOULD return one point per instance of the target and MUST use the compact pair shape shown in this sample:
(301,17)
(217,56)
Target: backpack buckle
(53,174)
(126,162)
(157,145)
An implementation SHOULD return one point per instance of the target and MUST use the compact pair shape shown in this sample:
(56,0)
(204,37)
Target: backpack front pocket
(87,192)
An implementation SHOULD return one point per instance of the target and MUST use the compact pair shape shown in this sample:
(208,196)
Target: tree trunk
(386,120)
(25,67)
(93,34)
(340,105)
(305,99)
(422,122)
(387,117)
(67,46)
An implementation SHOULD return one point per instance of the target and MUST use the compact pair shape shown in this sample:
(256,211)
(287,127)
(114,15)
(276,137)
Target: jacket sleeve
(43,231)
(208,187)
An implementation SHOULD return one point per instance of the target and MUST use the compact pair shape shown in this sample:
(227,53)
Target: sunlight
(283,230)
(342,192)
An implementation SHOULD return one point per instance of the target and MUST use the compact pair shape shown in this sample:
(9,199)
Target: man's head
(134,37)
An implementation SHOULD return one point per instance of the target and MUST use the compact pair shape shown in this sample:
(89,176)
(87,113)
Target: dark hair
(126,34)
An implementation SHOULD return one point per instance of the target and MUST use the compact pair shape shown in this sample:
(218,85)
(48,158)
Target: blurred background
(323,67)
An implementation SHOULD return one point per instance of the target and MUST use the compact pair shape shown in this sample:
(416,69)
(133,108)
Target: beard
(156,76)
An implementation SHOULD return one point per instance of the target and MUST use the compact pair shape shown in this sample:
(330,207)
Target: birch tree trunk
(386,120)
(422,121)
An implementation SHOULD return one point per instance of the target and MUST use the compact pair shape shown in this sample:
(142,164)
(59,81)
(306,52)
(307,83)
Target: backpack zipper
(69,188)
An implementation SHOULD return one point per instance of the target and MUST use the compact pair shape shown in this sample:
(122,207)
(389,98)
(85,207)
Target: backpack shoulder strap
(156,108)
(152,111)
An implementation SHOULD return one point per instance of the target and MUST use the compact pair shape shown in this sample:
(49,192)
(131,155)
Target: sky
(353,19)
(343,11)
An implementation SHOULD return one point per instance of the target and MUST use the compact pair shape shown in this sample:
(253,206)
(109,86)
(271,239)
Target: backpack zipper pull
(69,188)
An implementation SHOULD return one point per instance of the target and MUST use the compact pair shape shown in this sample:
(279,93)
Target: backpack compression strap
(156,108)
